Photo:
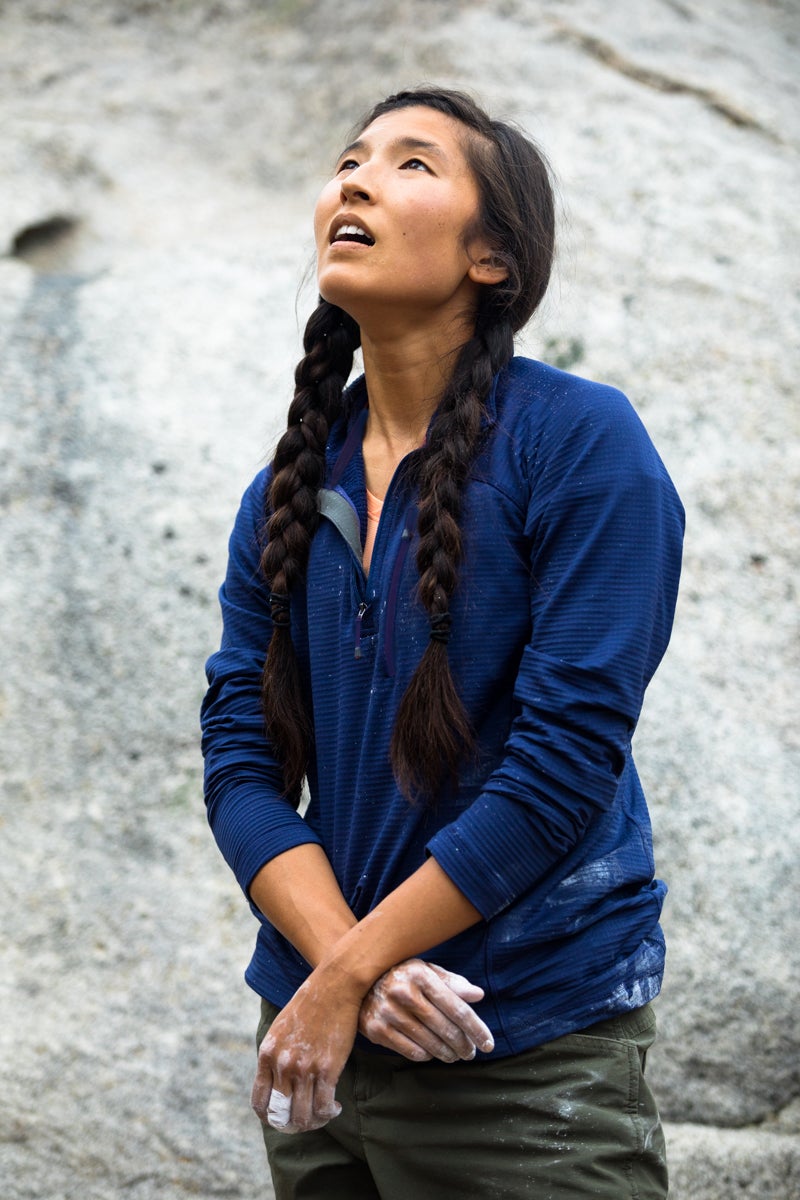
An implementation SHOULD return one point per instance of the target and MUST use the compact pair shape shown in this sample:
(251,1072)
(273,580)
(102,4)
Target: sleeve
(250,819)
(606,528)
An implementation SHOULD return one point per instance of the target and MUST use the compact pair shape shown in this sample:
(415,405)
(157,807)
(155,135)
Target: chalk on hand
(279,1110)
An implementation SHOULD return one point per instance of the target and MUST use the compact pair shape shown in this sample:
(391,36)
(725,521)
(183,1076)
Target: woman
(462,570)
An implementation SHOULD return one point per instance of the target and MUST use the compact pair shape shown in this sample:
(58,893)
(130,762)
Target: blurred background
(158,168)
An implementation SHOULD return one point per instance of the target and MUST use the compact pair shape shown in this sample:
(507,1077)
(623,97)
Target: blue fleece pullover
(572,544)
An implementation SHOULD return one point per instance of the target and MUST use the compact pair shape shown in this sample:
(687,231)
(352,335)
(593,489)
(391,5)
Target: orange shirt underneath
(374,507)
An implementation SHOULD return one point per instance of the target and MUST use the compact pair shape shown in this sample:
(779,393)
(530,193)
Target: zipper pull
(362,608)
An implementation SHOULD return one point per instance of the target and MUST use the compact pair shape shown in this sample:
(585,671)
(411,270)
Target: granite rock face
(158,166)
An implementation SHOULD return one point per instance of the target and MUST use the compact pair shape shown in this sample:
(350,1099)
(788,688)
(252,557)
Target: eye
(347,164)
(415,164)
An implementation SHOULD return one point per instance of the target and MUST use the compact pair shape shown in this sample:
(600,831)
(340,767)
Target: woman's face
(392,226)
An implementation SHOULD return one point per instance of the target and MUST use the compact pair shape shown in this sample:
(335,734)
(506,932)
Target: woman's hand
(419,1010)
(302,1056)
(415,1009)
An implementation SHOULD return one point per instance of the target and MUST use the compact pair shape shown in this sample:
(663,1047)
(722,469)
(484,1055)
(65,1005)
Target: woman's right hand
(303,1053)
(421,1011)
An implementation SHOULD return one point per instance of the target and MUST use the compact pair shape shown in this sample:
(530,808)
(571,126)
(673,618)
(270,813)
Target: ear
(486,267)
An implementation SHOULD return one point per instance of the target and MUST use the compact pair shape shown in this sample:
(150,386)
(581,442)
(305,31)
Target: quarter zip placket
(368,582)
(360,614)
(379,567)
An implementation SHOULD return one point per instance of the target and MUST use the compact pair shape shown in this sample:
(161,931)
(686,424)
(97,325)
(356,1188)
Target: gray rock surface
(158,164)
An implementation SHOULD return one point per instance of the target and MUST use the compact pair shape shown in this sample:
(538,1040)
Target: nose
(356,185)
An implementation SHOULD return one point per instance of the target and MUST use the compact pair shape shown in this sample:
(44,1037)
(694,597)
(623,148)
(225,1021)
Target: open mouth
(353,233)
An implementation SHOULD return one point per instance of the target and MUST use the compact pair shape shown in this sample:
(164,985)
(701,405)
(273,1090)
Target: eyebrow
(401,143)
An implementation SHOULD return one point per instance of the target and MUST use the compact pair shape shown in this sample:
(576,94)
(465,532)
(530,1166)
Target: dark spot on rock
(564,352)
(46,245)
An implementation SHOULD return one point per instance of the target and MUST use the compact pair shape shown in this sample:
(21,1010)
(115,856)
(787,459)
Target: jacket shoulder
(547,395)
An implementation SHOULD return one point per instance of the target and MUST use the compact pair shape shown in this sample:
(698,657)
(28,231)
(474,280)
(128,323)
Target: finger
(381,1033)
(262,1087)
(425,1027)
(443,1039)
(279,1111)
(414,1041)
(302,1103)
(460,985)
(401,1043)
(299,1114)
(448,1019)
(448,1049)
(459,1014)
(398,1027)
(326,1106)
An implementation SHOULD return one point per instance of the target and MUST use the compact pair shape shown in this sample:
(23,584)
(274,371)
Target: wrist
(352,965)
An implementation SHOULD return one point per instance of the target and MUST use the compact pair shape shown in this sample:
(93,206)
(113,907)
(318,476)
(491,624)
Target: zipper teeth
(394,585)
(362,608)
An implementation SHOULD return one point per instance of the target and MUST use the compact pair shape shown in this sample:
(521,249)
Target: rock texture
(158,163)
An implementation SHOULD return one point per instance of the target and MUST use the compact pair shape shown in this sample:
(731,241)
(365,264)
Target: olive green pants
(569,1120)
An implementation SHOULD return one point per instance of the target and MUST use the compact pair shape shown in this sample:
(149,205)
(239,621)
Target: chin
(352,300)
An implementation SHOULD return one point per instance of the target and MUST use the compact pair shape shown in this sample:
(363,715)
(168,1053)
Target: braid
(432,731)
(330,340)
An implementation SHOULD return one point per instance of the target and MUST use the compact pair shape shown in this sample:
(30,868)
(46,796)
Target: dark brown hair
(432,732)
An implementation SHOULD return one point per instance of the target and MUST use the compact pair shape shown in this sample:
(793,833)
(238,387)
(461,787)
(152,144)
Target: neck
(406,375)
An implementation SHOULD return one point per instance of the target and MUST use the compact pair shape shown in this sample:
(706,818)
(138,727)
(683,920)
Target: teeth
(352,231)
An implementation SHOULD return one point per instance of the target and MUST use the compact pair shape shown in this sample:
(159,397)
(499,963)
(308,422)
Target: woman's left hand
(302,1056)
(420,1010)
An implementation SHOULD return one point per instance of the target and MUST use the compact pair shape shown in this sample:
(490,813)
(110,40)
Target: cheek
(437,229)
(318,227)
(326,205)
